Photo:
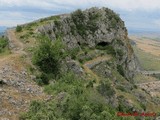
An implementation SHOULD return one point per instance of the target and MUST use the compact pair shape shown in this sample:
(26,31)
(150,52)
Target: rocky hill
(84,63)
(94,27)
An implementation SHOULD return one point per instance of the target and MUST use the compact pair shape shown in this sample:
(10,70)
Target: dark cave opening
(79,43)
(103,44)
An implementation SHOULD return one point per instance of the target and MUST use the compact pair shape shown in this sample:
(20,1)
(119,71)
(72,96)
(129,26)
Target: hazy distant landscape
(147,49)
(2,30)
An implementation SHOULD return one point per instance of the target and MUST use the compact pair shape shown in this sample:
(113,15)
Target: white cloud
(50,4)
(13,12)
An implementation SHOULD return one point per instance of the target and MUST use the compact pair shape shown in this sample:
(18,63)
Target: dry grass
(147,45)
(148,53)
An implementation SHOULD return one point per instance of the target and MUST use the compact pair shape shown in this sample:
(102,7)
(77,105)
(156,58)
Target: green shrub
(47,55)
(43,79)
(113,23)
(92,26)
(3,44)
(18,28)
(57,23)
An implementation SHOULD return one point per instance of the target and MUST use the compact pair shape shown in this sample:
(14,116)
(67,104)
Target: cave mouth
(103,44)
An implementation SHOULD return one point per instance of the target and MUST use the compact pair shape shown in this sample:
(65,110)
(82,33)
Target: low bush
(18,28)
(42,79)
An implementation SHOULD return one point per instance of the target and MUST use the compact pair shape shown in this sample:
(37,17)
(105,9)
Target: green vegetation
(57,23)
(18,28)
(113,23)
(73,101)
(120,70)
(78,19)
(3,44)
(114,18)
(82,25)
(49,19)
(108,49)
(92,23)
(47,56)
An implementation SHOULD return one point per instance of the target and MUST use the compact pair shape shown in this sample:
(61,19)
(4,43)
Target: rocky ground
(17,88)
(153,88)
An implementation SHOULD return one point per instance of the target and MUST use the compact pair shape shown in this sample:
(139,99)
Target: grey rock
(106,32)
(33,77)
(75,67)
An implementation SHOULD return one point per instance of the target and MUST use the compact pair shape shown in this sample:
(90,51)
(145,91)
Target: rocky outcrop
(94,27)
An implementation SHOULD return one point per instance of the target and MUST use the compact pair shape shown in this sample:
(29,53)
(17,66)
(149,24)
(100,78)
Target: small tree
(18,29)
(47,55)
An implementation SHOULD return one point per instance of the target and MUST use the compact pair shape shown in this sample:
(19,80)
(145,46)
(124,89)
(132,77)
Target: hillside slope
(17,89)
(84,60)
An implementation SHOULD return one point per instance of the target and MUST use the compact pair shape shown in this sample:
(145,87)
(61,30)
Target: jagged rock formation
(94,27)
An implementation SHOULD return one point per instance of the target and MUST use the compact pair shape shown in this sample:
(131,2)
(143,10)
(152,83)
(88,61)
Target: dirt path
(18,88)
(15,45)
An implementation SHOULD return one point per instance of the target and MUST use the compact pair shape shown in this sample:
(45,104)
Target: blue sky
(137,14)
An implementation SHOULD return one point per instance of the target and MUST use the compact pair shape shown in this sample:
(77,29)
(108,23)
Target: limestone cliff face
(94,27)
